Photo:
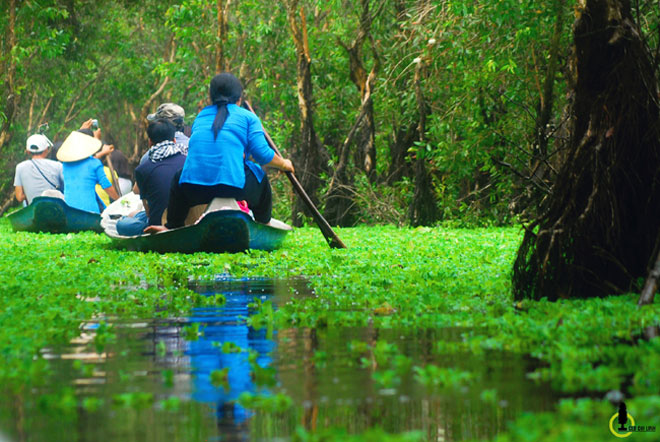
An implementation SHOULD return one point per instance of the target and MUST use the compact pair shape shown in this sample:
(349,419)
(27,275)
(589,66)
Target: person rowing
(224,138)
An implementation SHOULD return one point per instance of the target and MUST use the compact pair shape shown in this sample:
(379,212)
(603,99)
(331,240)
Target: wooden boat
(223,227)
(53,215)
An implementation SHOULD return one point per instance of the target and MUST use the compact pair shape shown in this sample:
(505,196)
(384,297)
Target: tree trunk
(9,73)
(222,7)
(8,202)
(365,154)
(309,158)
(423,210)
(404,134)
(546,101)
(598,230)
(403,138)
(141,140)
(339,202)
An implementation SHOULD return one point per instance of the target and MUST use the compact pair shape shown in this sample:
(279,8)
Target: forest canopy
(403,112)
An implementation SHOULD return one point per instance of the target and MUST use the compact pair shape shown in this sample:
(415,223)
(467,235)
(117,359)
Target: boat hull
(221,231)
(53,215)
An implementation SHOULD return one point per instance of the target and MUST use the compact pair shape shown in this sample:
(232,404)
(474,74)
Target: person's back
(38,174)
(241,136)
(154,180)
(82,171)
(81,178)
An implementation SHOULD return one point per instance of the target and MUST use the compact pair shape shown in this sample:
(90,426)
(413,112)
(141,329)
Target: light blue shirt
(222,161)
(80,179)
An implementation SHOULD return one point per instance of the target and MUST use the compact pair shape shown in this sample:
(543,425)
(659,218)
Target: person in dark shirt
(154,177)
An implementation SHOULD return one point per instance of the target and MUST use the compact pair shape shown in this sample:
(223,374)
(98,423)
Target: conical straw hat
(78,146)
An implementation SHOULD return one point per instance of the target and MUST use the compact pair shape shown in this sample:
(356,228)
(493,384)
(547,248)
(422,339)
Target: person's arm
(112,193)
(146,207)
(20,195)
(283,164)
(88,125)
(103,181)
(259,149)
(106,149)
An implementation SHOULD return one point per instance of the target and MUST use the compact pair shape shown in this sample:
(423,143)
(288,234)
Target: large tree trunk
(309,158)
(598,230)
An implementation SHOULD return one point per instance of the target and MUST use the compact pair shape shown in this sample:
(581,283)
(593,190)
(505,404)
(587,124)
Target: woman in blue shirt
(224,139)
(82,168)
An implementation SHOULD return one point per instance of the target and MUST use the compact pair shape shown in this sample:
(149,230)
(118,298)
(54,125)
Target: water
(154,381)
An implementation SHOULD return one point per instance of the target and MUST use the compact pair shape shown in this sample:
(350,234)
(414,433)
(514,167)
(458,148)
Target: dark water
(155,382)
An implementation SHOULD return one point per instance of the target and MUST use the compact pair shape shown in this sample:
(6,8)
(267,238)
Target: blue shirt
(223,160)
(80,179)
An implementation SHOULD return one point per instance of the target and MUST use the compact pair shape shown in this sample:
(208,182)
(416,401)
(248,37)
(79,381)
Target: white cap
(37,143)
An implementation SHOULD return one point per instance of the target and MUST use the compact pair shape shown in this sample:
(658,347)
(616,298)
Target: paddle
(113,174)
(328,233)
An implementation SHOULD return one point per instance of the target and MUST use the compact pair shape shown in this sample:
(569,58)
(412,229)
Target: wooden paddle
(113,175)
(328,233)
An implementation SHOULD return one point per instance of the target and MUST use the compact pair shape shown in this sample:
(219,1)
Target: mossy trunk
(597,232)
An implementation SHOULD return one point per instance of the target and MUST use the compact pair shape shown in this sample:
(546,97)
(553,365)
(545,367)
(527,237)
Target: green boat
(53,215)
(218,230)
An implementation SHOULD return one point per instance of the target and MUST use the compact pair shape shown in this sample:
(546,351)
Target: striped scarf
(166,149)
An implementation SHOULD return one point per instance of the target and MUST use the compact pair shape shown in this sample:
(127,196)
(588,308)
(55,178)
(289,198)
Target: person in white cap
(38,174)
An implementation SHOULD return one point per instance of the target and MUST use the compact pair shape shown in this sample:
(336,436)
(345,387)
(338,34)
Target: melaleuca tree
(597,232)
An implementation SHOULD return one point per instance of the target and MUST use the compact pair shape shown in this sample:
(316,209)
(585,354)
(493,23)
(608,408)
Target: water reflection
(210,353)
(348,378)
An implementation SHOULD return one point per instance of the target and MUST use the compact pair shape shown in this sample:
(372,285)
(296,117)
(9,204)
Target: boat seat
(196,212)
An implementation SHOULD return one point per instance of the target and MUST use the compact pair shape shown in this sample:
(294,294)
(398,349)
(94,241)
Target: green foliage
(230,347)
(371,435)
(580,419)
(105,60)
(172,403)
(219,377)
(432,376)
(192,332)
(278,403)
(484,67)
(168,378)
(403,278)
(135,400)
